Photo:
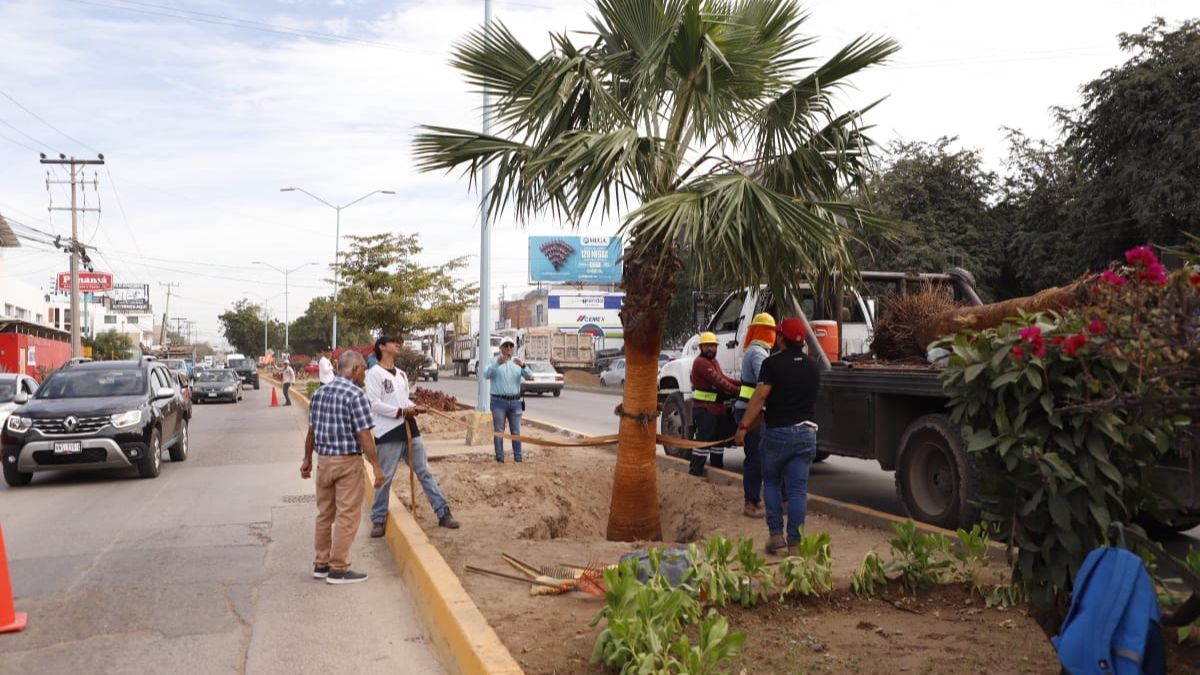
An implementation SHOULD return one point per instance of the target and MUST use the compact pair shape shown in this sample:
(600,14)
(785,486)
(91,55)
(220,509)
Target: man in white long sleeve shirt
(391,408)
(325,367)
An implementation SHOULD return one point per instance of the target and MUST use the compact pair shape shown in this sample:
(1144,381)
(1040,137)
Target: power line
(43,121)
(16,142)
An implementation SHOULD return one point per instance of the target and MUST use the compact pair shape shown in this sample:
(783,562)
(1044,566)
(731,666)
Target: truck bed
(882,378)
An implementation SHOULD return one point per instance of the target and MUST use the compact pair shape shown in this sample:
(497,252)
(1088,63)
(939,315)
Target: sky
(205,109)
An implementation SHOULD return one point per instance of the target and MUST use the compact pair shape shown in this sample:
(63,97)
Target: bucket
(827,334)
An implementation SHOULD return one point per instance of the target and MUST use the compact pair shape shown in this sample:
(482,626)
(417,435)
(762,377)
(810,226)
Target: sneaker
(345,577)
(447,520)
(776,543)
(377,530)
(320,571)
(752,510)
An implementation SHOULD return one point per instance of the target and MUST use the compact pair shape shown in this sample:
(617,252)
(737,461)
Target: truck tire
(16,478)
(179,451)
(151,464)
(435,377)
(677,422)
(936,479)
(256,384)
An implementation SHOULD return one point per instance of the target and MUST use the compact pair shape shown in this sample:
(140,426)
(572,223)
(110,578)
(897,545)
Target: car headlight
(231,388)
(18,424)
(126,419)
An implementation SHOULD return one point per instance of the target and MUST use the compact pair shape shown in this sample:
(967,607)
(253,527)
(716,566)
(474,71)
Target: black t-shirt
(794,380)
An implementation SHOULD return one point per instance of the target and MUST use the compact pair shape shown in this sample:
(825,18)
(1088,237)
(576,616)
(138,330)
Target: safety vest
(705,396)
(746,392)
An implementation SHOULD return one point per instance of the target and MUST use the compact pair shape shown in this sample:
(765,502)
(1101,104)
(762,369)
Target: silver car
(10,385)
(614,376)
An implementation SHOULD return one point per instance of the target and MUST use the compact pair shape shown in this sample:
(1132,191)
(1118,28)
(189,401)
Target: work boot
(753,510)
(793,550)
(696,466)
(377,530)
(776,543)
(447,521)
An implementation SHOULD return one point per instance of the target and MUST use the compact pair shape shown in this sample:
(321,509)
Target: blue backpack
(1112,627)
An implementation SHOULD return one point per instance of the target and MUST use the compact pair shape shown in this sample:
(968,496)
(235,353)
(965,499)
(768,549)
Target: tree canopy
(242,326)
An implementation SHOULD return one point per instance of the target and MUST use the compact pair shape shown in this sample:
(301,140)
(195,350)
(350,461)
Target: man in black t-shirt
(787,386)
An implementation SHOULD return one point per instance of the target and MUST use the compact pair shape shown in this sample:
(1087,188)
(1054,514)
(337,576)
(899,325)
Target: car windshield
(241,363)
(8,389)
(217,376)
(619,364)
(541,367)
(93,383)
(175,364)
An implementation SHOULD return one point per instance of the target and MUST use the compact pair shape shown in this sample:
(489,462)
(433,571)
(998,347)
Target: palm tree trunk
(649,287)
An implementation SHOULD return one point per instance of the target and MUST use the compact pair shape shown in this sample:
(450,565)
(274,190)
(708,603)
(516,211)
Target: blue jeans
(391,456)
(752,479)
(787,454)
(505,410)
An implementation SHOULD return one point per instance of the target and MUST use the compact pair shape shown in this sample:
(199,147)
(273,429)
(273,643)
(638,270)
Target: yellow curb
(460,635)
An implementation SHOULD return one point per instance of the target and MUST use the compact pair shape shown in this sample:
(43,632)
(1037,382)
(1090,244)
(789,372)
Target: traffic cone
(274,398)
(11,621)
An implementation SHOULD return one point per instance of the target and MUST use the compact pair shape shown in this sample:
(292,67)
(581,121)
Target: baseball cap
(508,341)
(792,330)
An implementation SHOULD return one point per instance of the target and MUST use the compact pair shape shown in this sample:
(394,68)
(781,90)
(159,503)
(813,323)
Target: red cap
(792,330)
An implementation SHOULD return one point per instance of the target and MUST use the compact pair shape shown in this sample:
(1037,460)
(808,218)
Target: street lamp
(337,242)
(266,315)
(287,327)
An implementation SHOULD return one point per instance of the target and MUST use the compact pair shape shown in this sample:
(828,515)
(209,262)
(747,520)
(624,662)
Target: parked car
(10,385)
(614,375)
(100,415)
(429,371)
(217,384)
(545,379)
(246,369)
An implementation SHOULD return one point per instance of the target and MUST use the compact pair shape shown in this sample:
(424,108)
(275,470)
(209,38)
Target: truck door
(729,324)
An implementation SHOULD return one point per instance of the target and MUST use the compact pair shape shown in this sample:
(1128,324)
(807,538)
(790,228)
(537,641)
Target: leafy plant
(759,577)
(1067,416)
(869,576)
(311,387)
(719,582)
(716,645)
(643,623)
(970,555)
(810,572)
(435,400)
(915,556)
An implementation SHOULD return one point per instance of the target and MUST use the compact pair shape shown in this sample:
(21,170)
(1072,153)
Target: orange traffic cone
(11,620)
(274,398)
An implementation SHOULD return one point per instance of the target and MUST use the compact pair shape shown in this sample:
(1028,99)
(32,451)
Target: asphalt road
(855,481)
(205,569)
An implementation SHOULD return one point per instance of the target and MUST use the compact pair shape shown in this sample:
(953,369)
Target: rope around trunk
(590,441)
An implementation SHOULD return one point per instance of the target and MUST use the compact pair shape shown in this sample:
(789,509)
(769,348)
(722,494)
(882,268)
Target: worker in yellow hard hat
(711,388)
(760,340)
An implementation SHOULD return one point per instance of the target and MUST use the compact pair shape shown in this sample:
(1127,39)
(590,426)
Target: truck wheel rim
(932,479)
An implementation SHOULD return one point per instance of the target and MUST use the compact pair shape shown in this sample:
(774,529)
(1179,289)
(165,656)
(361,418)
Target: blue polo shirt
(506,379)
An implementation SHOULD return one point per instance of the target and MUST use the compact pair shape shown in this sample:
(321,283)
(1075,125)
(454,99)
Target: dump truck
(562,350)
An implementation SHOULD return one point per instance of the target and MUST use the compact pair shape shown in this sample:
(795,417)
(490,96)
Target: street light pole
(482,393)
(287,326)
(337,243)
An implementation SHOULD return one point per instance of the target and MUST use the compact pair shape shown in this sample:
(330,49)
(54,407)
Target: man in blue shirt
(506,373)
(339,431)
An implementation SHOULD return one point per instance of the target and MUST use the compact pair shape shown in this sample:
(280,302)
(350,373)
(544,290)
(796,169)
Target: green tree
(1135,140)
(703,126)
(111,345)
(385,289)
(944,194)
(312,330)
(242,326)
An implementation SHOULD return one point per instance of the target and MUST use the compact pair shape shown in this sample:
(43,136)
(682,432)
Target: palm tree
(704,128)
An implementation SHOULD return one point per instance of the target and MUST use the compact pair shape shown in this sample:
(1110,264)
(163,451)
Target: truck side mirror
(21,398)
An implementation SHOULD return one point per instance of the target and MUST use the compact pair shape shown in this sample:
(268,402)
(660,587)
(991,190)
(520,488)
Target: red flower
(1154,273)
(1142,256)
(1074,344)
(1195,279)
(1058,340)
(1096,327)
(1030,333)
(1112,278)
(1018,353)
(1041,351)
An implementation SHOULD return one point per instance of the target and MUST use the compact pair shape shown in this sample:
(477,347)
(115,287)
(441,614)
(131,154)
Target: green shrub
(810,572)
(915,556)
(311,387)
(870,576)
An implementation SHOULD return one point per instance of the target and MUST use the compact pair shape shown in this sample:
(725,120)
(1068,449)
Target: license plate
(67,448)
(212,394)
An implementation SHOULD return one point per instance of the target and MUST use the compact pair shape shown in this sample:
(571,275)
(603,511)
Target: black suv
(246,369)
(99,415)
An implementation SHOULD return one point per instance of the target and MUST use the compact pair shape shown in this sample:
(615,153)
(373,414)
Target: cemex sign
(594,260)
(89,282)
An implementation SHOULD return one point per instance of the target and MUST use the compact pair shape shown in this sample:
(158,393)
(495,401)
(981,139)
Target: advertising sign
(575,259)
(89,282)
(598,314)
(130,297)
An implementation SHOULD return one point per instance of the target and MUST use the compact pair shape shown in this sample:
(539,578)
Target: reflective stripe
(705,396)
(746,392)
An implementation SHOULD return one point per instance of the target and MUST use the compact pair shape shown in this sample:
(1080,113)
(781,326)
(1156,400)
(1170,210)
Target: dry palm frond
(897,333)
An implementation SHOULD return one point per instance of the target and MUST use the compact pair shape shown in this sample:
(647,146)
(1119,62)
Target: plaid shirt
(338,411)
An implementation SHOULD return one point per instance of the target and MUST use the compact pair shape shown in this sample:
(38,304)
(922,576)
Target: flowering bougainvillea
(1067,415)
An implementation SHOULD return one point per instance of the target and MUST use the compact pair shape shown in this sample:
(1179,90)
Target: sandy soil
(552,509)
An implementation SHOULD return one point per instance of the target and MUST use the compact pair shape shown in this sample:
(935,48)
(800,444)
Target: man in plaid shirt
(339,430)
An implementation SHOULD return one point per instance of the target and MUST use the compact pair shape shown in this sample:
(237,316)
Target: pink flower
(1074,343)
(1142,256)
(1058,340)
(1112,278)
(1153,273)
(1018,353)
(1041,351)
(1030,333)
(1195,279)
(1096,327)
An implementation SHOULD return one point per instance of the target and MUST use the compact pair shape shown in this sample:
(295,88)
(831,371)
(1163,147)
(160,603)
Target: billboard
(89,282)
(575,259)
(597,314)
(130,297)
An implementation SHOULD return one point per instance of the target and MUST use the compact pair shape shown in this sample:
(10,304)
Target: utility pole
(162,337)
(483,395)
(75,167)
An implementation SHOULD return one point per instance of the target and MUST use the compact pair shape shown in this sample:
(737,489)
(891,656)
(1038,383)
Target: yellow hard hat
(763,319)
(708,338)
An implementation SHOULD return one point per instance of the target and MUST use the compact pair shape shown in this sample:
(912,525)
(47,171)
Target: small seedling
(915,556)
(869,576)
(970,556)
(810,572)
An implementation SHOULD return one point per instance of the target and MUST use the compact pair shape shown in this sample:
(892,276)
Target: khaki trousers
(339,508)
